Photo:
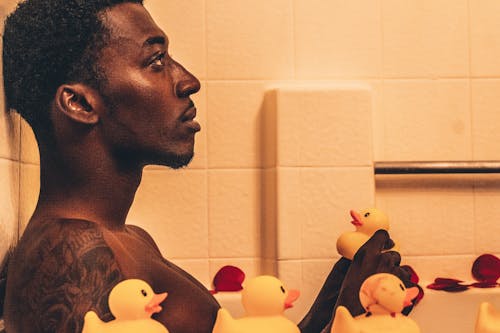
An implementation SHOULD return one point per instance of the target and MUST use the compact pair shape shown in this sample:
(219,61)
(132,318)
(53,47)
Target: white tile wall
(425,38)
(9,202)
(29,190)
(172,206)
(426,120)
(432,69)
(235,111)
(486,198)
(435,217)
(29,147)
(234,199)
(249,40)
(343,36)
(484,37)
(324,126)
(485,98)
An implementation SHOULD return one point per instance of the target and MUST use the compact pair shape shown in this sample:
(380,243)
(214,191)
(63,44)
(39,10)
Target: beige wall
(432,70)
(9,162)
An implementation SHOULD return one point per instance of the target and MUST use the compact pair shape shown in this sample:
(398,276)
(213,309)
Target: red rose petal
(485,284)
(446,284)
(447,281)
(486,268)
(228,278)
(449,288)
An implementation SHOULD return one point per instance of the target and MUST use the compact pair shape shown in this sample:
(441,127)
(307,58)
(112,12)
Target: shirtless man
(95,81)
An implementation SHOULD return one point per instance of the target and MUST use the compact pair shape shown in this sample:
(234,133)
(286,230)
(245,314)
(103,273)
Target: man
(95,81)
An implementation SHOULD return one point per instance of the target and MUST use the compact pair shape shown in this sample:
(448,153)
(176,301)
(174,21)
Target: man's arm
(71,272)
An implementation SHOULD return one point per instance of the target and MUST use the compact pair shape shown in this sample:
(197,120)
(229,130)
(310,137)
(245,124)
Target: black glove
(373,257)
(320,313)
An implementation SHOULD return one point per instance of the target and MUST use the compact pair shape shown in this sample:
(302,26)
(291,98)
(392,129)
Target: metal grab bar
(436,167)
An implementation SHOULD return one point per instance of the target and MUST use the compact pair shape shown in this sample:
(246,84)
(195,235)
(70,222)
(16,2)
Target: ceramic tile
(290,272)
(485,121)
(337,38)
(9,205)
(378,120)
(29,146)
(268,136)
(269,214)
(234,198)
(249,41)
(184,24)
(29,191)
(235,124)
(289,215)
(485,38)
(425,38)
(328,125)
(9,133)
(429,214)
(269,267)
(429,268)
(426,120)
(486,197)
(6,6)
(327,196)
(313,208)
(172,207)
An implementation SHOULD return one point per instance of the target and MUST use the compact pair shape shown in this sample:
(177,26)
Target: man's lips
(188,119)
(189,114)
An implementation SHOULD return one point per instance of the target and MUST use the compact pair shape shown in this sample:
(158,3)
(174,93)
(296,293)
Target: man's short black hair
(47,43)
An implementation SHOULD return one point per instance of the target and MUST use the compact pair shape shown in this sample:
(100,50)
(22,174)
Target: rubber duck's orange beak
(356,219)
(154,304)
(411,293)
(291,297)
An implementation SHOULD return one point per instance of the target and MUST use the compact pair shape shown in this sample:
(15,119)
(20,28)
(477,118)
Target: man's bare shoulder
(143,234)
(61,270)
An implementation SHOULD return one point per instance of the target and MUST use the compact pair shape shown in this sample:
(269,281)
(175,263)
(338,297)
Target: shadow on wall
(266,141)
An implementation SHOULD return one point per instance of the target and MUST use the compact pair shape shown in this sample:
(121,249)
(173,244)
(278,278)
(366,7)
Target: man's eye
(159,60)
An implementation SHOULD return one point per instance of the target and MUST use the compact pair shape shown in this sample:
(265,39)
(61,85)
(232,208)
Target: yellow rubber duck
(366,222)
(132,302)
(383,296)
(264,299)
(488,319)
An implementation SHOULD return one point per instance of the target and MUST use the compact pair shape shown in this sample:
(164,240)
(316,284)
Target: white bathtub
(438,312)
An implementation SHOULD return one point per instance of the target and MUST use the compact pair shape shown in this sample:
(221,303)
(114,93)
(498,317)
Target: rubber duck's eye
(282,289)
(367,214)
(144,293)
(402,287)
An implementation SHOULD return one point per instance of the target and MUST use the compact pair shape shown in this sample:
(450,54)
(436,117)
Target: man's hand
(373,257)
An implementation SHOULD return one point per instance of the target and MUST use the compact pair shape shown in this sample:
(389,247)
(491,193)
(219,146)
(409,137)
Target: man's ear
(78,102)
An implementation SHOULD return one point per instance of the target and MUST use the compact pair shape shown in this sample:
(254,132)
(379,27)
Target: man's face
(148,113)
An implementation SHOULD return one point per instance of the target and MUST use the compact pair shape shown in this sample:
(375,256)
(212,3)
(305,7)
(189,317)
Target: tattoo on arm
(71,275)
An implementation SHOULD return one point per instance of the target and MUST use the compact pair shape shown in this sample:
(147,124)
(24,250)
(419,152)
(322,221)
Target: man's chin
(176,161)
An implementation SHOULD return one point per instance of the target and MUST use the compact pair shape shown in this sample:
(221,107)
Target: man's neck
(97,192)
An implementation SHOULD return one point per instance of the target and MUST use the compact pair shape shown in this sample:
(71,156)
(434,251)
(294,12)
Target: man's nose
(187,84)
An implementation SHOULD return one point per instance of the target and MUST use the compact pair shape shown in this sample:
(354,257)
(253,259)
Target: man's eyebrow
(155,40)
